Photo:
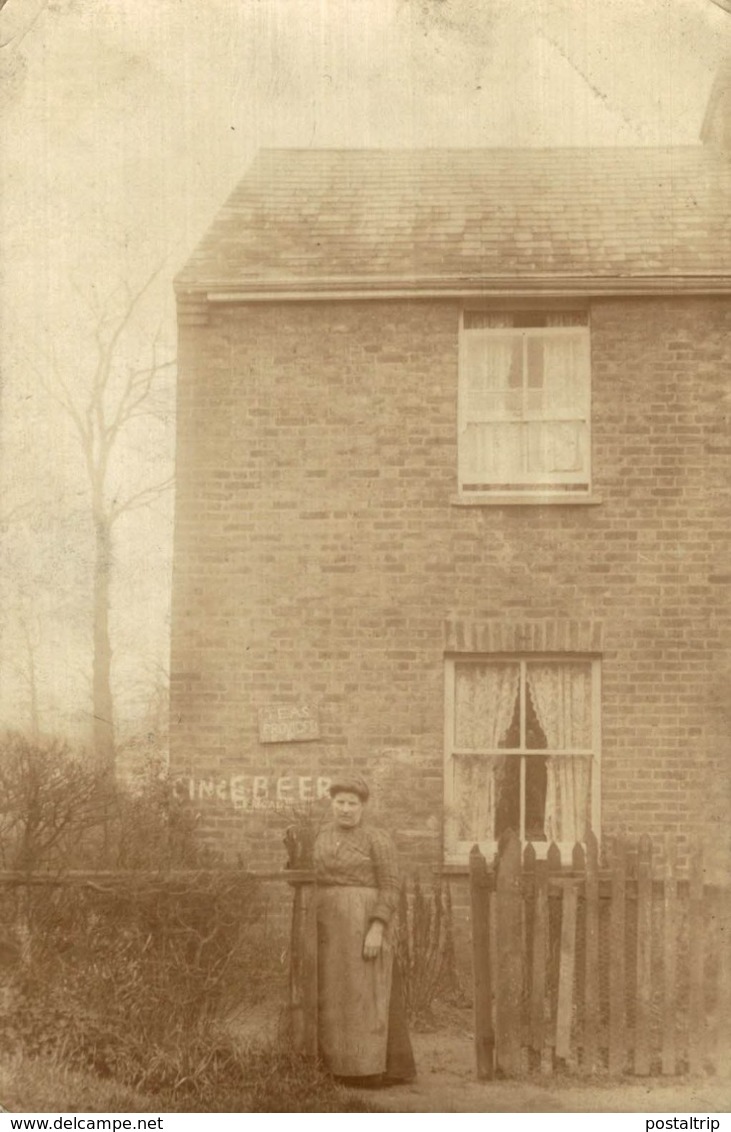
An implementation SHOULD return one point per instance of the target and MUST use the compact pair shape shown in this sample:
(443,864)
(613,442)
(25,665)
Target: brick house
(453,495)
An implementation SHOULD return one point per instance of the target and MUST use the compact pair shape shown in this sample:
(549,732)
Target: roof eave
(550,286)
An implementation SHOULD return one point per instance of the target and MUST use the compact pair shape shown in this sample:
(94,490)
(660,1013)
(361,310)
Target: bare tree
(102,406)
(26,667)
(46,798)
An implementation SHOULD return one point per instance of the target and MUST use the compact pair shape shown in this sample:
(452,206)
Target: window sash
(514,430)
(457,849)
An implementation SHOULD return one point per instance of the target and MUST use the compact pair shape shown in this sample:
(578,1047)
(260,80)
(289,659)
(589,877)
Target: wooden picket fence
(620,968)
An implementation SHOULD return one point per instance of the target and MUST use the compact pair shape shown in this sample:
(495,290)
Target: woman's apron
(353,993)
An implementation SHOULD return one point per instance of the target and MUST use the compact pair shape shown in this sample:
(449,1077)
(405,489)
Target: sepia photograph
(365,527)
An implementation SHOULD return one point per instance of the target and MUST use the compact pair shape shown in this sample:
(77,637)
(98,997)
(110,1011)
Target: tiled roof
(313,220)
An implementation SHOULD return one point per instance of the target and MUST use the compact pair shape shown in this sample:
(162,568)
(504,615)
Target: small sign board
(288,723)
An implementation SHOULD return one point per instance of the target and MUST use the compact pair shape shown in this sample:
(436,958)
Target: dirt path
(446,1083)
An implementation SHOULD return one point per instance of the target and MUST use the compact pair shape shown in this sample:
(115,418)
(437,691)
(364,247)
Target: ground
(447,1083)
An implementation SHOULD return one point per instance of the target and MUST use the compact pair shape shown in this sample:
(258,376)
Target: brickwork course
(323,559)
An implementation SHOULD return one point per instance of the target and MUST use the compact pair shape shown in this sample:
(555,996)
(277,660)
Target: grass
(46,1085)
(268,1080)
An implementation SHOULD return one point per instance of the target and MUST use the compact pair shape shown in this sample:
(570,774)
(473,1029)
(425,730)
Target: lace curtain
(485,699)
(568,781)
(498,444)
(476,782)
(491,443)
(555,445)
(561,697)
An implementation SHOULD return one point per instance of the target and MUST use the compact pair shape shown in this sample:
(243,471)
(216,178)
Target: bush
(425,949)
(49,800)
(59,811)
(128,978)
(117,975)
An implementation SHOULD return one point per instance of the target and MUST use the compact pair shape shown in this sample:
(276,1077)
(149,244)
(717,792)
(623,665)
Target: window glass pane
(485,698)
(495,319)
(505,405)
(530,318)
(535,737)
(491,364)
(507,796)
(557,376)
(555,448)
(568,790)
(475,785)
(564,374)
(535,798)
(535,363)
(560,696)
(492,453)
(488,320)
(567,318)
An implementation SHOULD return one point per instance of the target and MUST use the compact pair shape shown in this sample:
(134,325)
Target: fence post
(564,1008)
(480,910)
(554,866)
(534,871)
(509,958)
(723,1016)
(591,956)
(617,1012)
(670,953)
(644,957)
(696,1020)
(540,952)
(303,968)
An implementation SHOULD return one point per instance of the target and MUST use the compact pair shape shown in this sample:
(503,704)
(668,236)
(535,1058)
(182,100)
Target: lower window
(522,751)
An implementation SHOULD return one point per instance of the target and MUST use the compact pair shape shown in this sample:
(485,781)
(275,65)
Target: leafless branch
(141,498)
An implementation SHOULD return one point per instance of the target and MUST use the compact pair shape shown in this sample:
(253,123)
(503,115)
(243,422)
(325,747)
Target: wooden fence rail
(622,969)
(303,949)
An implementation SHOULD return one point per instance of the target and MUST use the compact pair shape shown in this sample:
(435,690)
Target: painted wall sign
(288,723)
(255,791)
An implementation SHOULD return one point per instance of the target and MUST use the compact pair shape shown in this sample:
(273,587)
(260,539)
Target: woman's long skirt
(361,1022)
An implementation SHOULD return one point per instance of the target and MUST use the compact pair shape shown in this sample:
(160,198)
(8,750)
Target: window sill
(496,500)
(458,864)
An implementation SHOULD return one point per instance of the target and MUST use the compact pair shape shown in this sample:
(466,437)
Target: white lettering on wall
(288,723)
(255,791)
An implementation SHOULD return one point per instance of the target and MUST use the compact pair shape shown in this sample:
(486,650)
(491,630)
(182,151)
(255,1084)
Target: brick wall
(318,559)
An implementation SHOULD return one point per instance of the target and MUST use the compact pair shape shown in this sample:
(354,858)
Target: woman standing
(361,1014)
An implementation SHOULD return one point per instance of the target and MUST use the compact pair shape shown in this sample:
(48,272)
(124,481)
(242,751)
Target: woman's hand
(373,941)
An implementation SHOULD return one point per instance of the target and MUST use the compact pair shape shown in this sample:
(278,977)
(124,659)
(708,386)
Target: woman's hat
(350,784)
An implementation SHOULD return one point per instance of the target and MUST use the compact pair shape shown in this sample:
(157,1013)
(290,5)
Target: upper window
(522,751)
(524,398)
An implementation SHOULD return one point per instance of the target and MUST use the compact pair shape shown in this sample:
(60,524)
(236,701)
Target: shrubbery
(425,950)
(131,976)
(120,979)
(130,973)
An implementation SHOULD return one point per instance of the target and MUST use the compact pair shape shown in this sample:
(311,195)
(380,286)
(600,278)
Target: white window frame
(564,487)
(456,852)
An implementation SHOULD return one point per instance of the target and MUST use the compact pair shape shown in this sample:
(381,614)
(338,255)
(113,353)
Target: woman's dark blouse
(364,857)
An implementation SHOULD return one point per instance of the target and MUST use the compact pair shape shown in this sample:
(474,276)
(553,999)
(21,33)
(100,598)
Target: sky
(124,125)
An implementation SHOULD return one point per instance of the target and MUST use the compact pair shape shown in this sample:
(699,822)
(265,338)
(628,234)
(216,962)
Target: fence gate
(622,968)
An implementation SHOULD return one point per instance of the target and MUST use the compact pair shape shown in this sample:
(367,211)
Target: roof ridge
(689,146)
